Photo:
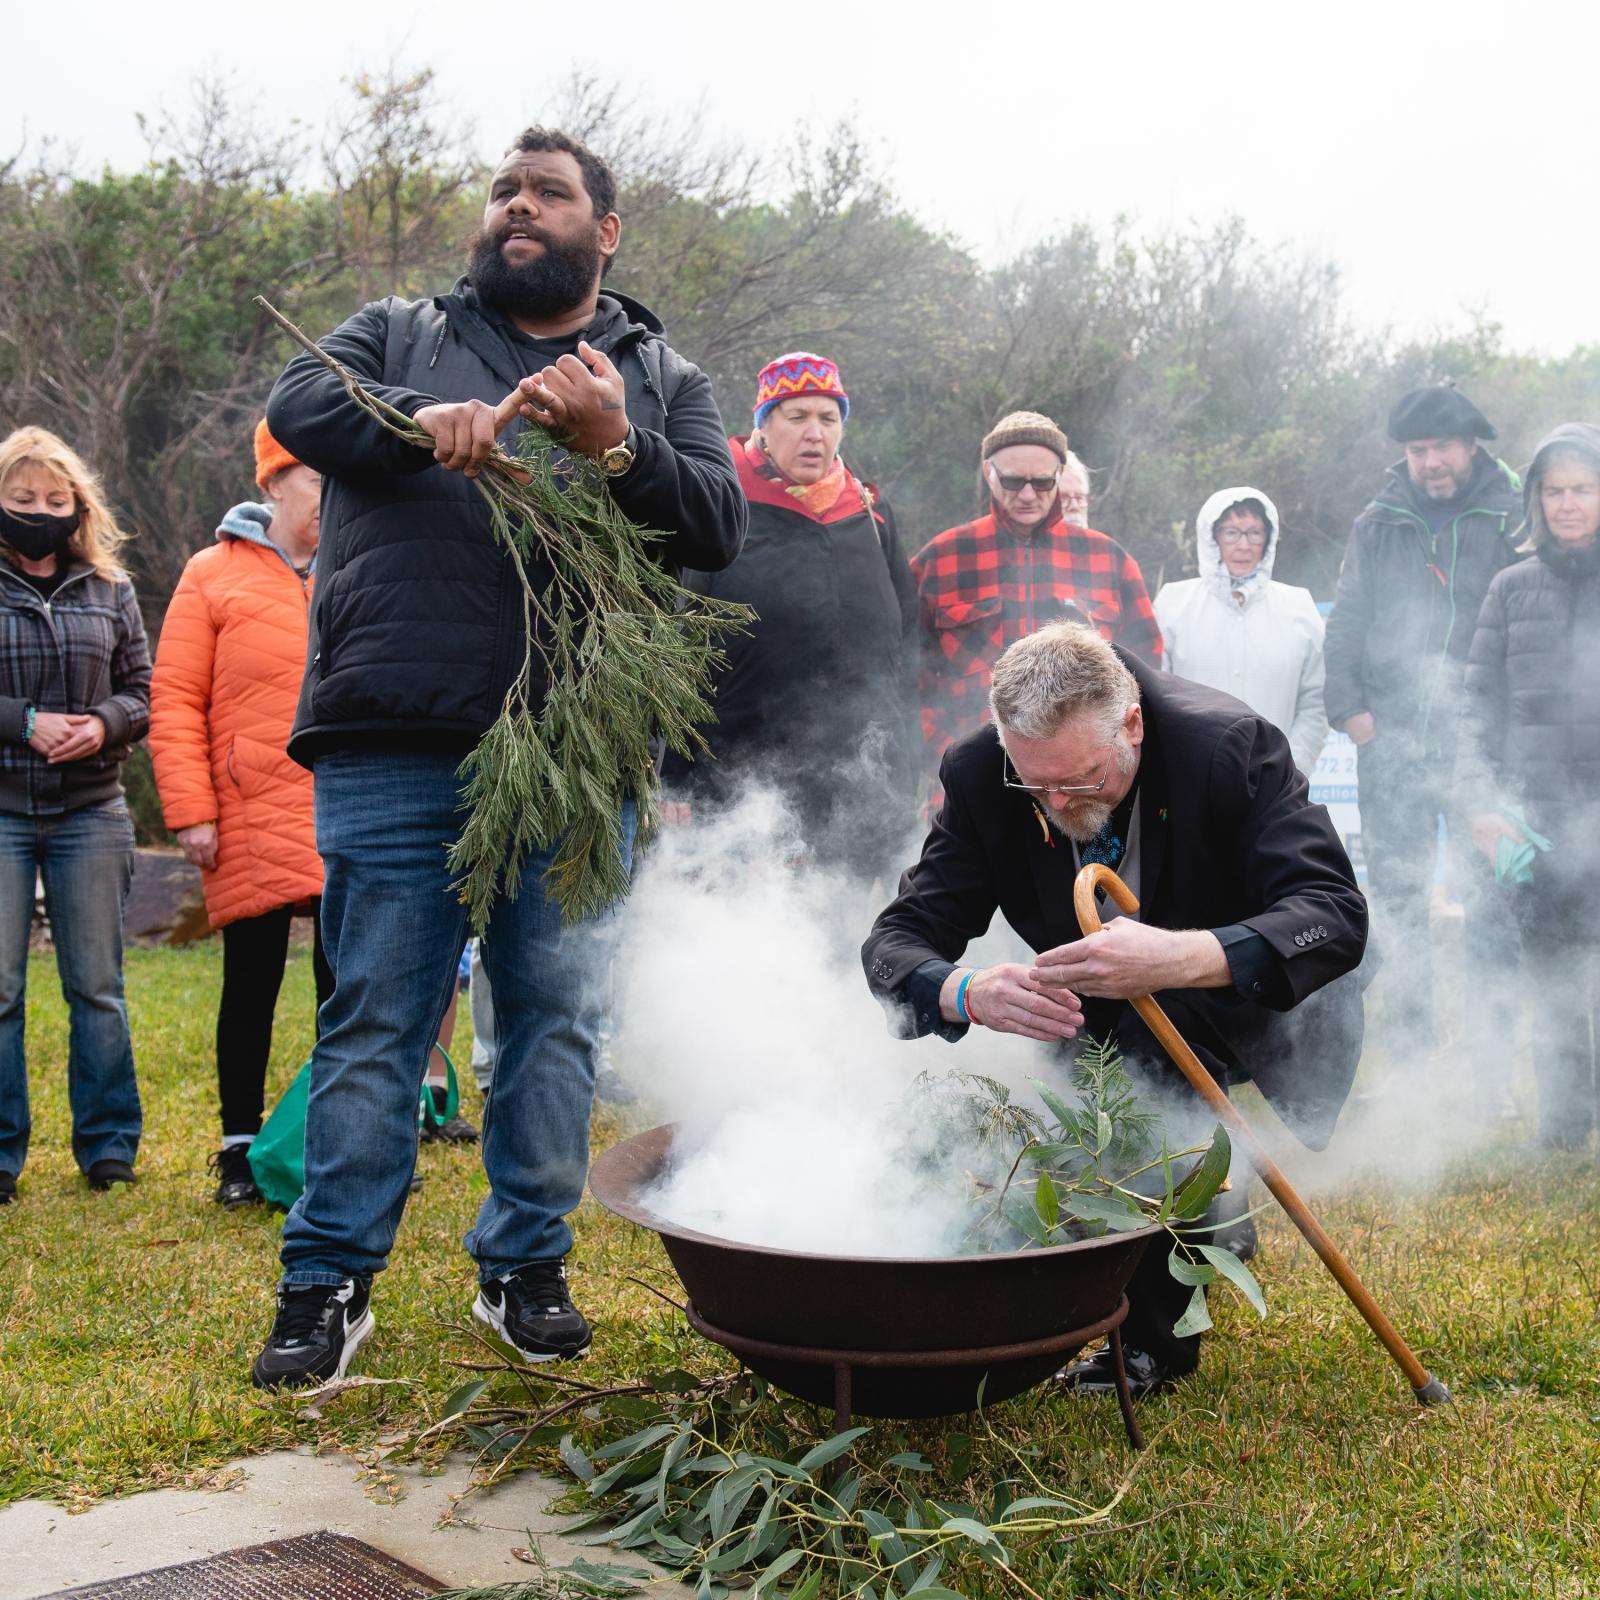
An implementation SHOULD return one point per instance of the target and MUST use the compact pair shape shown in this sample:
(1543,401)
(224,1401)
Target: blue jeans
(394,932)
(86,860)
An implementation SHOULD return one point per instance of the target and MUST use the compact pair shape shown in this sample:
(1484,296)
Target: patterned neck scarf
(815,499)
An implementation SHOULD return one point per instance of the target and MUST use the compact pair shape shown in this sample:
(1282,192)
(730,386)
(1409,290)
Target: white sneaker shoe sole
(354,1339)
(494,1320)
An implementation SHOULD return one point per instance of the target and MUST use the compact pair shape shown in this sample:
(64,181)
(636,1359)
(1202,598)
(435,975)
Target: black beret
(1440,411)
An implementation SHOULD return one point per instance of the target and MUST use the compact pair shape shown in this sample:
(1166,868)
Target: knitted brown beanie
(1025,427)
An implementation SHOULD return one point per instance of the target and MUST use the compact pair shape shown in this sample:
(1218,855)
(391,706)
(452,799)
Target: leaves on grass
(724,1488)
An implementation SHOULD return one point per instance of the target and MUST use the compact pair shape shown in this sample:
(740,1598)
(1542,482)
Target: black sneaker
(315,1334)
(8,1187)
(1097,1374)
(236,1183)
(531,1310)
(102,1174)
(435,1129)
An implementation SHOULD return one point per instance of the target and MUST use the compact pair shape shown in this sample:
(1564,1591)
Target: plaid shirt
(987,584)
(84,650)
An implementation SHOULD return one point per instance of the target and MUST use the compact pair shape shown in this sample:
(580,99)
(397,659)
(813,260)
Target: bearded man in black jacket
(1250,925)
(1419,562)
(416,634)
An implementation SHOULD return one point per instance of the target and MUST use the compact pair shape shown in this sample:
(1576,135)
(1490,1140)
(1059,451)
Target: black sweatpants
(254,953)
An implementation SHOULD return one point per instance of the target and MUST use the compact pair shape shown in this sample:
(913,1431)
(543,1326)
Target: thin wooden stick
(1428,1390)
(397,421)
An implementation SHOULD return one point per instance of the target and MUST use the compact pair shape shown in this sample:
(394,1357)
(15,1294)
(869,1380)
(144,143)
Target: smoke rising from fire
(745,1018)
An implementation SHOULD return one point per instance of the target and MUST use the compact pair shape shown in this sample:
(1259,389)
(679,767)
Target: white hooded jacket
(1267,651)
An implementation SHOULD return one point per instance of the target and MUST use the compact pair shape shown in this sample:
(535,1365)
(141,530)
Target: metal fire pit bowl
(885,1336)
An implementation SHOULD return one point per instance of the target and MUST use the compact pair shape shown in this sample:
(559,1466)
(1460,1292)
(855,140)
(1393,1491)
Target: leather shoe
(1097,1374)
(102,1174)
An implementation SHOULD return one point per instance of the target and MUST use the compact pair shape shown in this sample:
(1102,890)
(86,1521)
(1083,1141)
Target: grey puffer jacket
(1530,727)
(1402,620)
(82,650)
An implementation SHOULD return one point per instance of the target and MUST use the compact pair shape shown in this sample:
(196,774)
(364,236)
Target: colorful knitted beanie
(798,373)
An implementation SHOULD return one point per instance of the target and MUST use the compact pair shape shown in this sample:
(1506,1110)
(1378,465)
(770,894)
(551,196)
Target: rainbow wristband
(961,994)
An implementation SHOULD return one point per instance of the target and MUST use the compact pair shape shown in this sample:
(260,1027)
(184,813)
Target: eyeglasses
(1241,536)
(1043,791)
(1015,485)
(1074,502)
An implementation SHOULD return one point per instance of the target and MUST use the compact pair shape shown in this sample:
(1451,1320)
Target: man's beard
(1082,823)
(1085,818)
(557,280)
(1447,487)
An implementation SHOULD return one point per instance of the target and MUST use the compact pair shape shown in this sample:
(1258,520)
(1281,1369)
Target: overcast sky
(1444,155)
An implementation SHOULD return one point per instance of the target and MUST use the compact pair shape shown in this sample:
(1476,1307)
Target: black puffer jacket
(1531,725)
(417,630)
(1403,616)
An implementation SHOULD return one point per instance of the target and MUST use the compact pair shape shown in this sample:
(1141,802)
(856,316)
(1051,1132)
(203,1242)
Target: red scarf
(836,495)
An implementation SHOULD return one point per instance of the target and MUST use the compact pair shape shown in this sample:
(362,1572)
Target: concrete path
(43,1549)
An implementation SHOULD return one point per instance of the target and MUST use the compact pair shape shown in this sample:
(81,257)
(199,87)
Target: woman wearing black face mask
(74,696)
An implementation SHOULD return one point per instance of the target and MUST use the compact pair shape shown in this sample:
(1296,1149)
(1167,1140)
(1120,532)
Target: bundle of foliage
(1069,1171)
(626,655)
(726,1486)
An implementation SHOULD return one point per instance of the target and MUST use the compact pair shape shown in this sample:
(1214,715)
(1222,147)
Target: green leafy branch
(1081,1170)
(618,653)
(715,1481)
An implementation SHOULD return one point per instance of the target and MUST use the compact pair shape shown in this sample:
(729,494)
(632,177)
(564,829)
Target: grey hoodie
(1583,437)
(249,522)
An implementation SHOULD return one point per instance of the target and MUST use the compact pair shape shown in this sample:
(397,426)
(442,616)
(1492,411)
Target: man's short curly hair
(598,178)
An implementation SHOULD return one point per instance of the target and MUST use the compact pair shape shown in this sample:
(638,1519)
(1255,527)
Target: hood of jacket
(248,522)
(1581,437)
(1209,557)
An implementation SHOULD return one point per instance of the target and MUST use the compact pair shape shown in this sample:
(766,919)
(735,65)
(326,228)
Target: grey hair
(1067,670)
(1074,463)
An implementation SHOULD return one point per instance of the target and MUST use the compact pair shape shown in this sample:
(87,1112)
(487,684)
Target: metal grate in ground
(315,1566)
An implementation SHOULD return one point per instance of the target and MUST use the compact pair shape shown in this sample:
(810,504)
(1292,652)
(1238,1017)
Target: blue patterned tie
(1105,849)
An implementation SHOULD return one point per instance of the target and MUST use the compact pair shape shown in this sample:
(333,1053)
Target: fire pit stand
(845,1362)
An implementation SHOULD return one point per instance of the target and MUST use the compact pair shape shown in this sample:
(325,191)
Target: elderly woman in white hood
(1233,628)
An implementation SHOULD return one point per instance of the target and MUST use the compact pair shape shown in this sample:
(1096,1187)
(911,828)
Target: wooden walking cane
(1427,1388)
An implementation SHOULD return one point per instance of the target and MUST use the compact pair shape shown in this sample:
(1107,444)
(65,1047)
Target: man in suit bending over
(1250,925)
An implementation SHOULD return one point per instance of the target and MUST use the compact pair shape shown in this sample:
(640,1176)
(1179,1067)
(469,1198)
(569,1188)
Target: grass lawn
(1294,1464)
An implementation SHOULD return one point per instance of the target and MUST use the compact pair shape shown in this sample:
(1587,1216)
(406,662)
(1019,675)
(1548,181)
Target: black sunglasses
(1014,485)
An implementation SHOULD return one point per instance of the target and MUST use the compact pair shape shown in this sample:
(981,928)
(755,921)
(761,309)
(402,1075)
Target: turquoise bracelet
(28,719)
(961,995)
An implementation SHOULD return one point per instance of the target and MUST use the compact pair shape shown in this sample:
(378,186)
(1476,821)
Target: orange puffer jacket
(227,677)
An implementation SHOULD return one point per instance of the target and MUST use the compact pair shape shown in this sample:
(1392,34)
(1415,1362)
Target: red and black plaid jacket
(988,583)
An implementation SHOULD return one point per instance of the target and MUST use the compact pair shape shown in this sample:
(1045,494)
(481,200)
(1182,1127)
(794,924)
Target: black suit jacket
(1227,836)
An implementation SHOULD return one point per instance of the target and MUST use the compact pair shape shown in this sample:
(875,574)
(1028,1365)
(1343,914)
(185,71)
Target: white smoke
(746,1019)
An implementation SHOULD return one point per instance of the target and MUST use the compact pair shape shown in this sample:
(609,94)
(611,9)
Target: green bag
(278,1152)
(452,1096)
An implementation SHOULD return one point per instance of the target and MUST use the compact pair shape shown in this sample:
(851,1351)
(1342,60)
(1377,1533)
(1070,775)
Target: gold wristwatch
(616,461)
